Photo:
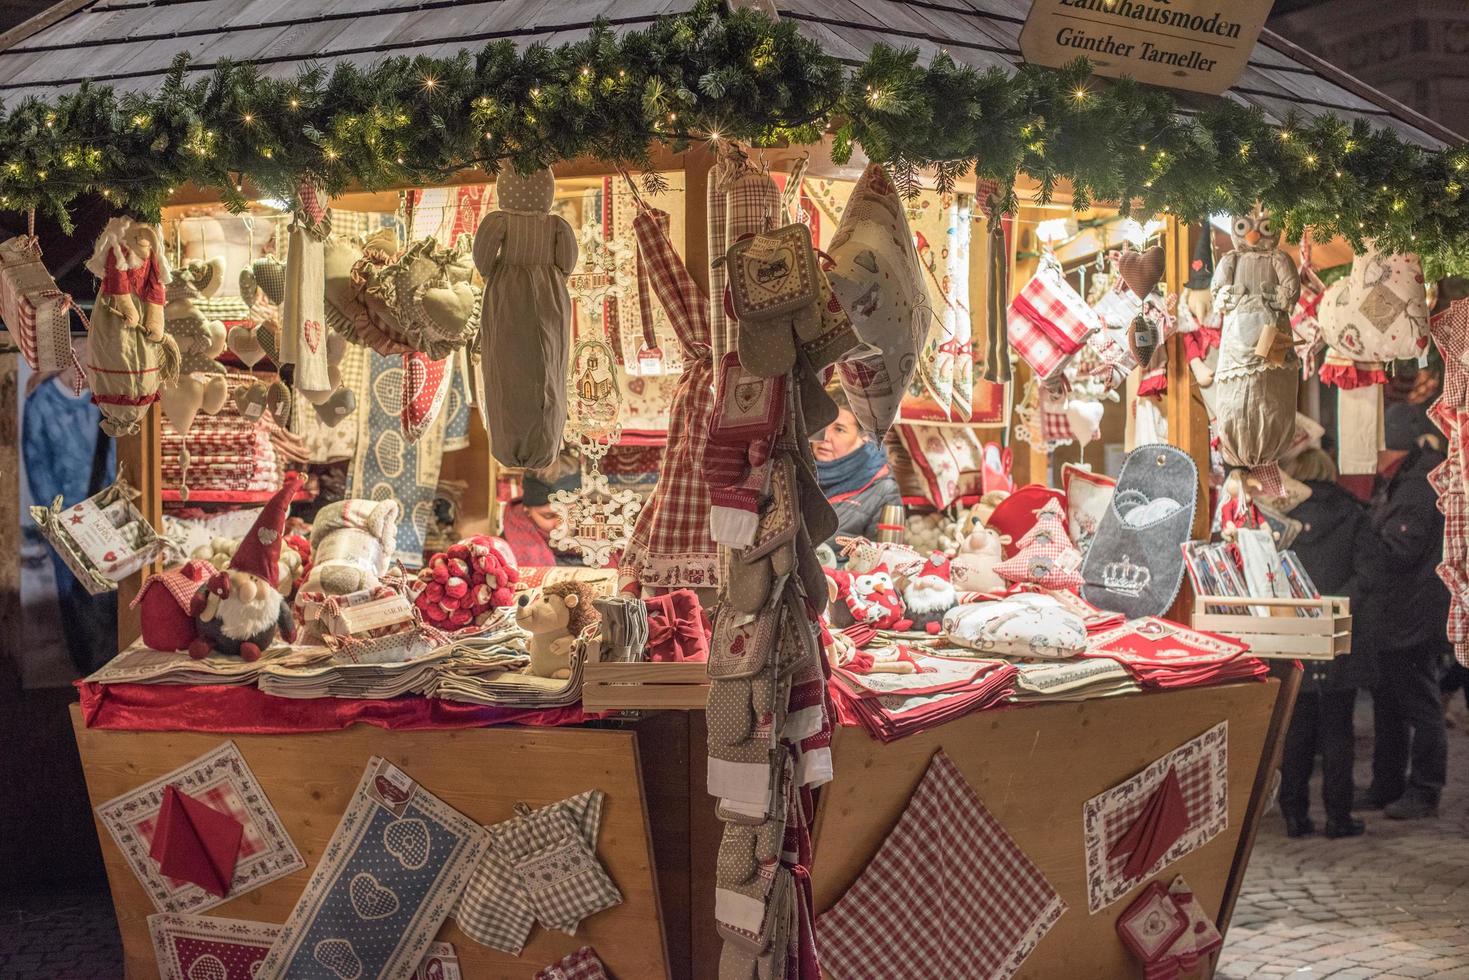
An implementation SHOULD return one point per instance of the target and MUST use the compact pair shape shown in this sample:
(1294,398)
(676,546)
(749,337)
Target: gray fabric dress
(525,254)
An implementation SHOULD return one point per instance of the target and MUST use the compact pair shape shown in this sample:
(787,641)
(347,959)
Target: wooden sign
(1199,45)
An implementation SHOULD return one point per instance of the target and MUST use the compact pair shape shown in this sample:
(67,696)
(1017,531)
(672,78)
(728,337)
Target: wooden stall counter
(482,773)
(1032,767)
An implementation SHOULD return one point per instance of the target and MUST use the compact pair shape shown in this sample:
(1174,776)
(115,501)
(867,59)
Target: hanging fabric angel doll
(1255,289)
(525,254)
(129,355)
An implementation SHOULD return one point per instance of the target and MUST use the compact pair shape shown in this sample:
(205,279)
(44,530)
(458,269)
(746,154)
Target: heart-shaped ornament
(216,393)
(338,406)
(269,273)
(1142,270)
(1085,419)
(278,400)
(243,344)
(181,401)
(250,400)
(267,335)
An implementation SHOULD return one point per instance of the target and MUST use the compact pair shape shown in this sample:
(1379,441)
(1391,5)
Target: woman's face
(839,439)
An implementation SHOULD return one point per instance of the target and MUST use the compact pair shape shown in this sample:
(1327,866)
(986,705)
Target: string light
(248,119)
(430,82)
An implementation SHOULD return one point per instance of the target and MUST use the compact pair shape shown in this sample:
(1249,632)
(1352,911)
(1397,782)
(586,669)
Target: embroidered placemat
(385,883)
(201,947)
(222,780)
(1202,767)
(948,894)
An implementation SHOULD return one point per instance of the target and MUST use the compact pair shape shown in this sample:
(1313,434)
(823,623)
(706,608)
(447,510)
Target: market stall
(483,533)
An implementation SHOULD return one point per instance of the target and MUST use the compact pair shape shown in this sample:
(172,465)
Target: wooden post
(1188,420)
(140,461)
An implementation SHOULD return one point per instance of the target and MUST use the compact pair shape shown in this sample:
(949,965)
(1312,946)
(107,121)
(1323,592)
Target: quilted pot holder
(1135,563)
(561,878)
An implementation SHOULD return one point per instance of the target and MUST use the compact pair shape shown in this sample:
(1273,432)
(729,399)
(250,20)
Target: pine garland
(735,74)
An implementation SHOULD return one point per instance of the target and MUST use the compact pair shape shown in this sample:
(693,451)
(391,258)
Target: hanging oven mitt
(744,877)
(744,643)
(559,874)
(749,411)
(1135,563)
(773,285)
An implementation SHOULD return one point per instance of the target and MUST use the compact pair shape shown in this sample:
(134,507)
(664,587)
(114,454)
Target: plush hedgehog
(930,594)
(555,617)
(876,588)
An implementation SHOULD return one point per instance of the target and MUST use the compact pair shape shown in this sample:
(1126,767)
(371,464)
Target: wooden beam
(35,25)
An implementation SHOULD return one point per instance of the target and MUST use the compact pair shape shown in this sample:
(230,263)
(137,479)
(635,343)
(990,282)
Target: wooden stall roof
(130,44)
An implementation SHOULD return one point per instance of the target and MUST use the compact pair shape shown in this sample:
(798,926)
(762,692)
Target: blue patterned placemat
(389,877)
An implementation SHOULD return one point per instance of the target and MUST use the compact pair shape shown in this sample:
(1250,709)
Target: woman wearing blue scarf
(854,474)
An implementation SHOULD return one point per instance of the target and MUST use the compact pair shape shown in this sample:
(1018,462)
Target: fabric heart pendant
(250,400)
(268,337)
(216,393)
(425,384)
(181,401)
(243,343)
(341,404)
(1142,270)
(278,400)
(269,275)
(1143,339)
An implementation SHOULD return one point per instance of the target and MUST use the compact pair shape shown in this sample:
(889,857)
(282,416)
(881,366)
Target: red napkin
(196,843)
(1162,822)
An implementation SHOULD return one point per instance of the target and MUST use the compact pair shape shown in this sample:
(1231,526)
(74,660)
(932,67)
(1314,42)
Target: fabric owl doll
(525,254)
(1255,289)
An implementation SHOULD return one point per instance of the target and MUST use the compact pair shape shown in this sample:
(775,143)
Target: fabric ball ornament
(462,586)
(1045,556)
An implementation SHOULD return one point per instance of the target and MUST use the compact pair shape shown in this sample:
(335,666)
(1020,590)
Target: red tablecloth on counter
(246,710)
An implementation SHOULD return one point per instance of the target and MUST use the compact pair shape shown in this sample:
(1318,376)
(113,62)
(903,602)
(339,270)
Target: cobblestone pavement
(61,935)
(1390,905)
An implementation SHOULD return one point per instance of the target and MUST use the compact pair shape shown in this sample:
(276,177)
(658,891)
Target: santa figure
(930,594)
(240,612)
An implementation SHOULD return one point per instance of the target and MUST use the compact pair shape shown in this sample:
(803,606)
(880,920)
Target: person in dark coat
(854,474)
(1339,551)
(1407,609)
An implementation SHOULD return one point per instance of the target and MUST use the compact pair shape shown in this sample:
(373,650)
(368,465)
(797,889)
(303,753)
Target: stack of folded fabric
(1072,680)
(226,451)
(338,677)
(491,669)
(914,692)
(1161,654)
(140,665)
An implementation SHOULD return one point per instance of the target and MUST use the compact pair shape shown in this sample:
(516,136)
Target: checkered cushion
(1048,322)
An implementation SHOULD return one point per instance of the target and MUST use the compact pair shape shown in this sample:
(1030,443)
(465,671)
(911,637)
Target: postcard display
(394,880)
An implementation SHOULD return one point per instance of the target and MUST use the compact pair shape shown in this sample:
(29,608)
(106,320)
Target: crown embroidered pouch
(1135,563)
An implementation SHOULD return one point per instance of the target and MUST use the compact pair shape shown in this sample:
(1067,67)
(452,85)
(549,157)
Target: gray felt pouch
(1135,563)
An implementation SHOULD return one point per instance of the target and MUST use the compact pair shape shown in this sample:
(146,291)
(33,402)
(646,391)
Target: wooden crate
(628,686)
(1282,635)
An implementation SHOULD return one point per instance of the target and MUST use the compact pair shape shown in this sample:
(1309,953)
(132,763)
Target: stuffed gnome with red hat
(240,612)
